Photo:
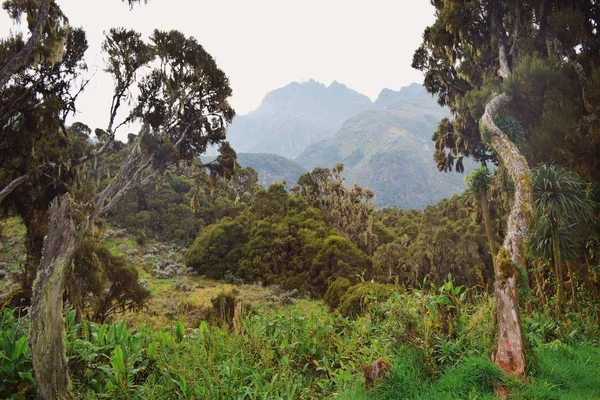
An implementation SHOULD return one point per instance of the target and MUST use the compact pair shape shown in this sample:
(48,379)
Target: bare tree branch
(12,186)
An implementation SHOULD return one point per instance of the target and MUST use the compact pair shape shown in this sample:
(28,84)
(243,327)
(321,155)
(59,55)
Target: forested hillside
(389,150)
(145,269)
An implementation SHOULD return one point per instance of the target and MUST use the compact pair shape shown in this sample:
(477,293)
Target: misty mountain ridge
(389,150)
(384,145)
(294,116)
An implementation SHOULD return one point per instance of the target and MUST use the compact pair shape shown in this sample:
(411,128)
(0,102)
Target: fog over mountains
(384,145)
(295,116)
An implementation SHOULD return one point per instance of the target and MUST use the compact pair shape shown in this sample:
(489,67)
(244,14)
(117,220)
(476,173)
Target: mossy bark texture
(47,321)
(510,353)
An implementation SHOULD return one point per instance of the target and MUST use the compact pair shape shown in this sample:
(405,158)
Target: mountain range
(384,145)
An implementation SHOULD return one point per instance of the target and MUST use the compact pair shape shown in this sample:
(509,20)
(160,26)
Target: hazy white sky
(265,44)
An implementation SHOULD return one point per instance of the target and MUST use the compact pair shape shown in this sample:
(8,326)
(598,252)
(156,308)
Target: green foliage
(279,240)
(445,304)
(222,312)
(105,282)
(442,239)
(479,181)
(185,200)
(292,353)
(561,208)
(335,291)
(362,298)
(108,358)
(347,210)
(16,371)
(338,257)
(560,193)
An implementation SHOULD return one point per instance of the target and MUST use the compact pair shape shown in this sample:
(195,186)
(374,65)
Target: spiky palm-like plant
(560,200)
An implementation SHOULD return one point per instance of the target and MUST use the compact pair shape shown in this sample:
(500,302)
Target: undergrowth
(302,351)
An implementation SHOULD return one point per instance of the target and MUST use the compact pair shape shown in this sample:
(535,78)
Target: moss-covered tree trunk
(510,352)
(47,321)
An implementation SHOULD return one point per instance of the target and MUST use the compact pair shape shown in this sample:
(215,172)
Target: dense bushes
(218,248)
(442,239)
(279,240)
(363,297)
(335,291)
(185,200)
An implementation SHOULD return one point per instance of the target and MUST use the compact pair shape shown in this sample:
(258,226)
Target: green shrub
(335,291)
(218,248)
(338,257)
(361,298)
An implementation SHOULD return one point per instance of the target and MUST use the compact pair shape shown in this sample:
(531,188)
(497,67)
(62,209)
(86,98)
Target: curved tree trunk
(47,321)
(510,354)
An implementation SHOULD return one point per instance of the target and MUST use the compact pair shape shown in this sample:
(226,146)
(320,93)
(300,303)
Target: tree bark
(17,62)
(573,288)
(539,284)
(510,353)
(582,82)
(47,321)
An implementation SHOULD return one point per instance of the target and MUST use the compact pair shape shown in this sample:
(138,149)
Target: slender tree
(478,184)
(347,210)
(466,54)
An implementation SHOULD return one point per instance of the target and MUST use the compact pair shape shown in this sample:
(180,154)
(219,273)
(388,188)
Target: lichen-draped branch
(24,56)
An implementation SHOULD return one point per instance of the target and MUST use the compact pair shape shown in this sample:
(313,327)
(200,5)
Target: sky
(264,44)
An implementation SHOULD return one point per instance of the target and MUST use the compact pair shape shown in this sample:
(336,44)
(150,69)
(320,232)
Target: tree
(461,54)
(111,281)
(183,108)
(560,202)
(479,57)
